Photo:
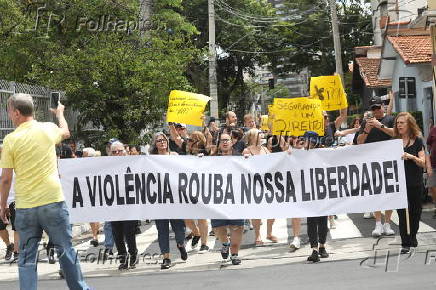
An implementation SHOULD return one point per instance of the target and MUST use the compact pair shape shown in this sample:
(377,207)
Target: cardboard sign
(293,117)
(185,107)
(264,122)
(329,90)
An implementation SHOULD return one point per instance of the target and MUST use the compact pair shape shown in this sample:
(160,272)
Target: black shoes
(203,249)
(183,253)
(235,259)
(166,264)
(51,257)
(405,250)
(195,240)
(225,251)
(133,261)
(323,253)
(314,257)
(9,251)
(94,242)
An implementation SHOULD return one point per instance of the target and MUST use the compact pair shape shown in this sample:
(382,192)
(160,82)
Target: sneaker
(314,257)
(295,245)
(188,237)
(15,257)
(166,264)
(405,250)
(51,257)
(212,233)
(94,242)
(203,249)
(378,230)
(132,262)
(235,259)
(387,230)
(367,215)
(61,274)
(123,266)
(183,253)
(323,253)
(195,241)
(108,254)
(9,251)
(225,251)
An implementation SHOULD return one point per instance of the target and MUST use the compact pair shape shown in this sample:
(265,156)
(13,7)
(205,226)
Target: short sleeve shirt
(30,151)
(412,170)
(377,135)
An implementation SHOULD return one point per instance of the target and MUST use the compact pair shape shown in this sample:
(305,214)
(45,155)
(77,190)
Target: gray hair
(22,103)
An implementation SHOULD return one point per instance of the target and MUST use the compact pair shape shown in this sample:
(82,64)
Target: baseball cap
(375,103)
(311,136)
(180,125)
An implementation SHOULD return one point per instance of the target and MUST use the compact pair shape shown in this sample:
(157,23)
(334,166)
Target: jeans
(163,233)
(317,229)
(54,219)
(108,236)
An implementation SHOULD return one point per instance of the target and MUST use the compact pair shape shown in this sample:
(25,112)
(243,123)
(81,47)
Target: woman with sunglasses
(236,226)
(197,145)
(124,230)
(405,128)
(254,147)
(160,147)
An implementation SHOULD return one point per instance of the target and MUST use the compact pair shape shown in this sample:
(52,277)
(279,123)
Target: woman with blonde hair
(160,146)
(405,128)
(254,147)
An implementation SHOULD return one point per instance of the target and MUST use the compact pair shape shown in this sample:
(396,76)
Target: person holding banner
(235,227)
(124,230)
(196,145)
(29,151)
(377,127)
(317,227)
(254,147)
(160,147)
(414,161)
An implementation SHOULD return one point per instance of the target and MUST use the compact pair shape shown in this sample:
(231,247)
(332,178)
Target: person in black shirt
(414,162)
(375,128)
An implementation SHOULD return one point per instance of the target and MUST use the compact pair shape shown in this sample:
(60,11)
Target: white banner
(351,179)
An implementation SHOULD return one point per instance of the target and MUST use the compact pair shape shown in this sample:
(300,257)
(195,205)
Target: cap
(311,136)
(375,103)
(180,125)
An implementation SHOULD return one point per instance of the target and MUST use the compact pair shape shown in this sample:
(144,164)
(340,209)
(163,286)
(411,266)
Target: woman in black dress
(414,161)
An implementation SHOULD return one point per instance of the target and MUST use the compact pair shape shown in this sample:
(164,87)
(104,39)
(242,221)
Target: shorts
(431,180)
(11,218)
(221,223)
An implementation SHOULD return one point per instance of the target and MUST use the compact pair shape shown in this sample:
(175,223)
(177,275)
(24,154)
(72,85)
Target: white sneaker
(377,232)
(295,245)
(367,215)
(387,230)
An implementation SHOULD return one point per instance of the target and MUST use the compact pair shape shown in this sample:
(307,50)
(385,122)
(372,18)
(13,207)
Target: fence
(41,98)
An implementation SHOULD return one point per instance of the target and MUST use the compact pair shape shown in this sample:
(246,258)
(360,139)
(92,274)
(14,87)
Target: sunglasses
(117,151)
(225,140)
(161,141)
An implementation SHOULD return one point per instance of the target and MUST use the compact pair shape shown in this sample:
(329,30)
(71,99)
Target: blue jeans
(54,219)
(108,236)
(163,233)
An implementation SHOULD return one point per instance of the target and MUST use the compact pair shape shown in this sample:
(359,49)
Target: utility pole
(213,91)
(336,40)
(145,11)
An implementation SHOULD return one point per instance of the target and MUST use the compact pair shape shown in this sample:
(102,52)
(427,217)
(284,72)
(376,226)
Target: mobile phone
(54,100)
(369,115)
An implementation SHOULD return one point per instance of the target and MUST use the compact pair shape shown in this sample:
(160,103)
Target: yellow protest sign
(185,107)
(264,122)
(293,117)
(330,91)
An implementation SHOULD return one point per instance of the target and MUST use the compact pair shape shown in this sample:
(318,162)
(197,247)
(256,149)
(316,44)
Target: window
(407,88)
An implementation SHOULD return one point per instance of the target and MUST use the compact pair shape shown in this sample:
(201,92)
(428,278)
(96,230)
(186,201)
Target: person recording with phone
(376,127)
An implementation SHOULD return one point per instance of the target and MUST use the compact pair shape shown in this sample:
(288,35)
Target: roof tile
(369,70)
(412,48)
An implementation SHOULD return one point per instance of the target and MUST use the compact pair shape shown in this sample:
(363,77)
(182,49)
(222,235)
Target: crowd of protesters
(247,140)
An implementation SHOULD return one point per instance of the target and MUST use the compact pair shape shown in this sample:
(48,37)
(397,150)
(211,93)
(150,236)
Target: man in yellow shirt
(30,152)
